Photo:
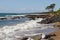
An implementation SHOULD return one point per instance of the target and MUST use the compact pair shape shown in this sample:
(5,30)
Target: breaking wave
(17,31)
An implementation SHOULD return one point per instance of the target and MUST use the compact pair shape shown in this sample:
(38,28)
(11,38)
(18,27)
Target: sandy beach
(57,33)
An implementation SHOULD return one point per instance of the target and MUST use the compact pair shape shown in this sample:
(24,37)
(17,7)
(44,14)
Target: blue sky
(23,6)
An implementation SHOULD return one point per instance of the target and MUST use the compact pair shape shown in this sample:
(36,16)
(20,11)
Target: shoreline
(57,33)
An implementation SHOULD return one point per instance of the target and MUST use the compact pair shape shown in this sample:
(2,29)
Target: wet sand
(57,33)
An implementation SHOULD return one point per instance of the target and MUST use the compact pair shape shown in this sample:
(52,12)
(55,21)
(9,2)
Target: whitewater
(27,28)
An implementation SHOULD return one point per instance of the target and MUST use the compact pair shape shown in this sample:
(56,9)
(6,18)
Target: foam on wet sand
(21,29)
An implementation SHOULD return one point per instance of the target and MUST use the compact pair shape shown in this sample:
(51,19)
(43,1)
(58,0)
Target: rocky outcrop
(17,17)
(53,19)
(37,16)
(3,18)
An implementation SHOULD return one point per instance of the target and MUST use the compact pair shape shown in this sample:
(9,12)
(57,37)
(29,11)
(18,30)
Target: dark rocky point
(55,18)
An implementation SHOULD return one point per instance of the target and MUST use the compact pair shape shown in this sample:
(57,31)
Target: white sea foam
(14,15)
(15,32)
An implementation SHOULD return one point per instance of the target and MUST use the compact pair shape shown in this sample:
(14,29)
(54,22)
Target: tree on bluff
(50,7)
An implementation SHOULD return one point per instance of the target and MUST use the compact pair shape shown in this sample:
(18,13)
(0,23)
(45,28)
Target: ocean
(11,22)
(16,29)
(5,14)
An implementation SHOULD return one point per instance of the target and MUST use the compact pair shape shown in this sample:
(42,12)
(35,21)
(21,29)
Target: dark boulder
(53,19)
